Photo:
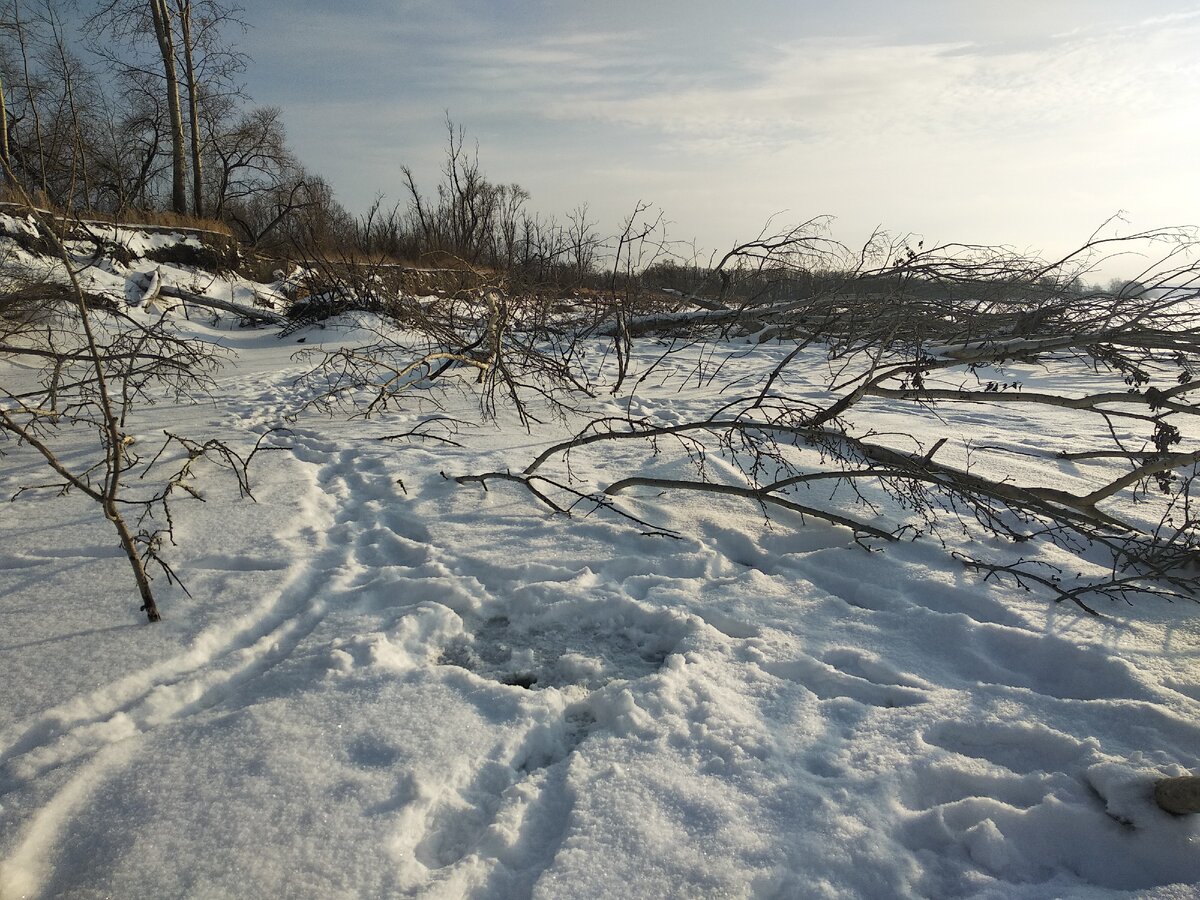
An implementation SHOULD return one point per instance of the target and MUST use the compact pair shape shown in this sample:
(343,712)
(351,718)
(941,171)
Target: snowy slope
(385,683)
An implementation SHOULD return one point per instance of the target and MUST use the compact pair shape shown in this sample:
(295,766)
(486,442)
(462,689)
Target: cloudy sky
(1026,122)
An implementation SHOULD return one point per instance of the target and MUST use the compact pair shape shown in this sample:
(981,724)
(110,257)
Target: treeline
(138,107)
(471,219)
(773,284)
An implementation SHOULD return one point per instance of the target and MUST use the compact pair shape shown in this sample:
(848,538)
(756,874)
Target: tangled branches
(961,350)
(79,372)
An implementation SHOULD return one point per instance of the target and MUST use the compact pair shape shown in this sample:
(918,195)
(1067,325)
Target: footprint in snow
(1018,747)
(380,546)
(993,763)
(457,820)
(876,685)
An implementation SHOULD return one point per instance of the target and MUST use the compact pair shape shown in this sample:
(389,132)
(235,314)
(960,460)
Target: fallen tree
(927,331)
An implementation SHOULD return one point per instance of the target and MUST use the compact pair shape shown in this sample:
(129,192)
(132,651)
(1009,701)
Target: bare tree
(250,155)
(584,242)
(192,57)
(51,126)
(184,11)
(473,219)
(128,141)
(510,198)
(72,73)
(293,212)
(542,247)
(641,241)
(209,67)
(14,18)
(94,365)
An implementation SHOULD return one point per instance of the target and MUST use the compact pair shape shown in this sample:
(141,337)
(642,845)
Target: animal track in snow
(870,667)
(1014,764)
(1046,664)
(828,682)
(729,626)
(515,799)
(517,795)
(458,819)
(218,665)
(379,547)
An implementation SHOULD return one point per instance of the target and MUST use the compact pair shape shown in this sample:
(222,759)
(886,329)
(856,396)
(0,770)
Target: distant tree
(1125,287)
(584,242)
(472,219)
(510,199)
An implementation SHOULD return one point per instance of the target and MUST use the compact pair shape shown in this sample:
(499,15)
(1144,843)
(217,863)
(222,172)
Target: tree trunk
(4,163)
(193,89)
(166,47)
(33,104)
(129,545)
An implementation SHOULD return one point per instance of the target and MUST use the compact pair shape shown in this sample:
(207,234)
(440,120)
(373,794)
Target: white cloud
(972,124)
(852,91)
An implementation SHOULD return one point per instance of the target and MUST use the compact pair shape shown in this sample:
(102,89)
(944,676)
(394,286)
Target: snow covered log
(1180,796)
(143,288)
(240,309)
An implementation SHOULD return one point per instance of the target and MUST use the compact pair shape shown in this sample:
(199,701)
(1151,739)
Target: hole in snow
(524,680)
(574,642)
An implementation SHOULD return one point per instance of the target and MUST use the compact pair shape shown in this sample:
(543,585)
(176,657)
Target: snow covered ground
(385,683)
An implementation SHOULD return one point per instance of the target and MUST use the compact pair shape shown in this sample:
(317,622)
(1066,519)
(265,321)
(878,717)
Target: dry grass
(10,198)
(165,219)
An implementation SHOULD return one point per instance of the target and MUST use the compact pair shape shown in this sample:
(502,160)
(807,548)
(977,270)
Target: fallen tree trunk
(257,315)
